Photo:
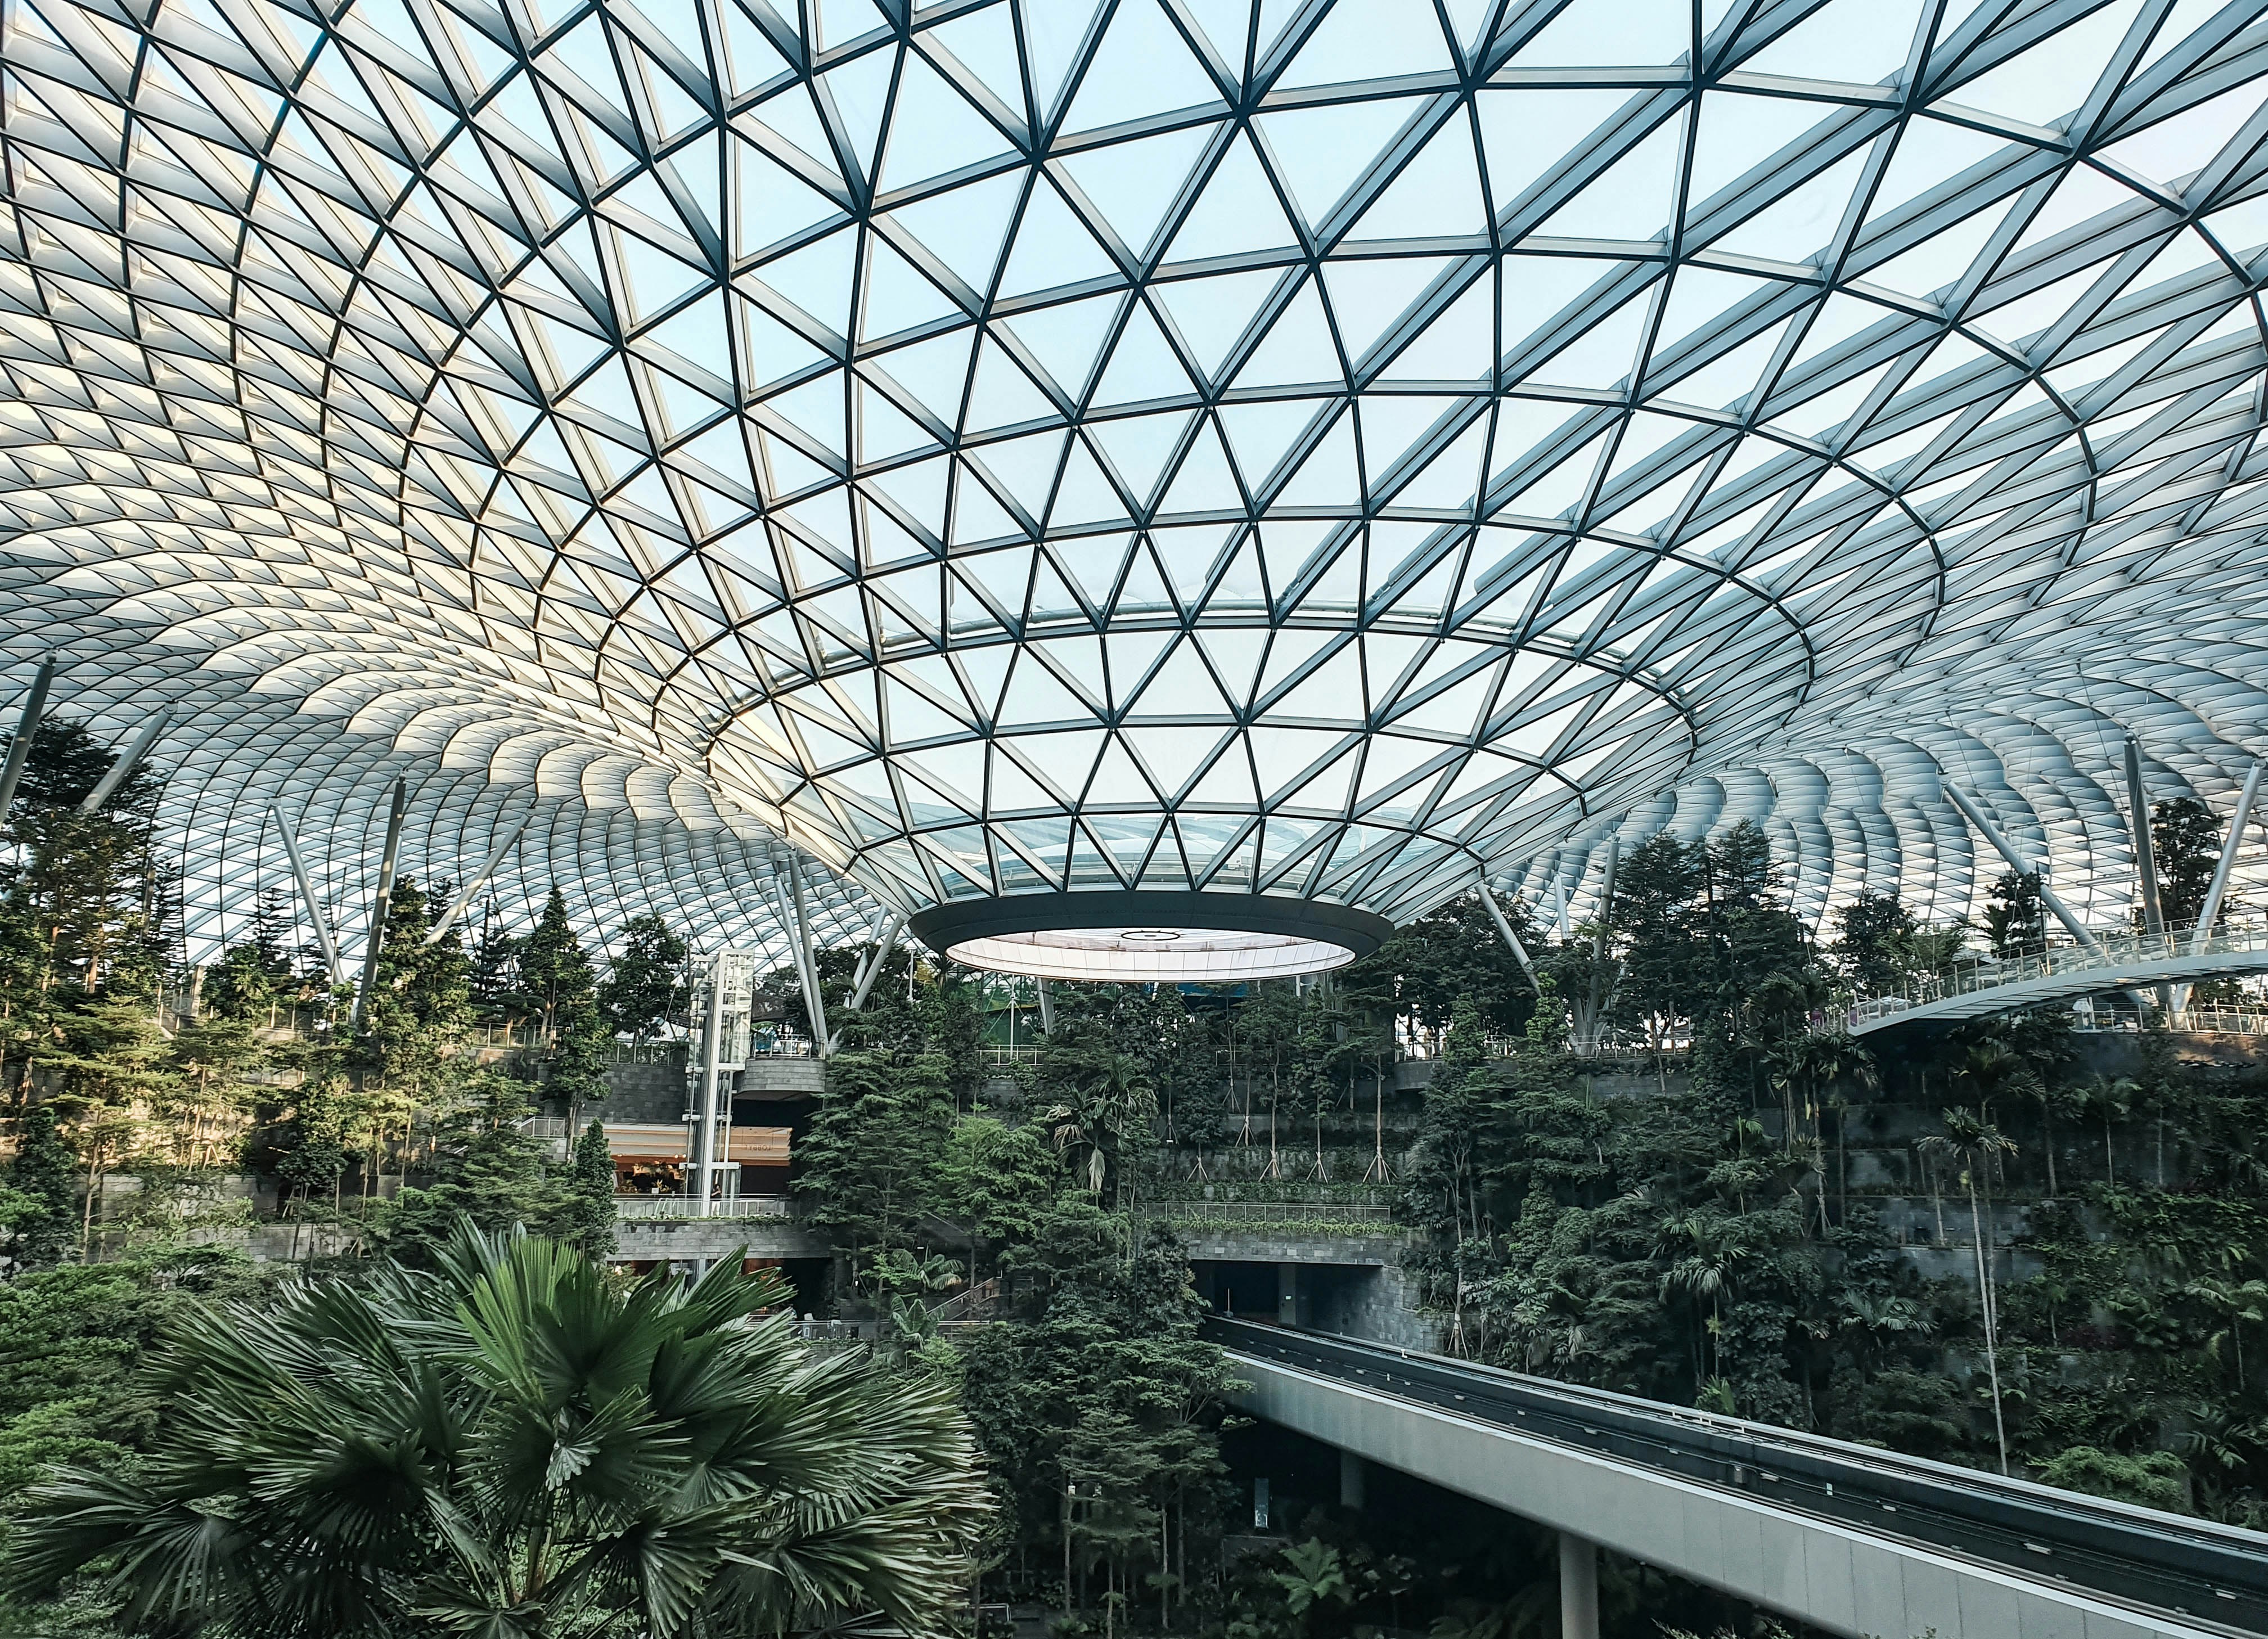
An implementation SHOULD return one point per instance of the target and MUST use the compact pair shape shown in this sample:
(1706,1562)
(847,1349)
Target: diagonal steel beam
(1504,927)
(122,767)
(383,901)
(28,726)
(463,902)
(323,940)
(2211,913)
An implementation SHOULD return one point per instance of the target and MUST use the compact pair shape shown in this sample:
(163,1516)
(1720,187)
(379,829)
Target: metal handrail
(689,1207)
(2111,953)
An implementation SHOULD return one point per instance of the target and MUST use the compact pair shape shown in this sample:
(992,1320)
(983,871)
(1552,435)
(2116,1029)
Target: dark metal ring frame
(960,921)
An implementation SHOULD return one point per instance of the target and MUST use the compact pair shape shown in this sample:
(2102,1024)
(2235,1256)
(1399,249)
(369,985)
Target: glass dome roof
(1268,455)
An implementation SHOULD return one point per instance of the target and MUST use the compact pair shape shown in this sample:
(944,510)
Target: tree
(1442,1175)
(557,973)
(1653,911)
(208,1058)
(2015,916)
(585,1220)
(92,883)
(1106,1103)
(313,1139)
(1098,1407)
(104,1066)
(1453,952)
(513,1444)
(872,1162)
(645,985)
(1978,1146)
(2186,838)
(1876,934)
(256,973)
(2154,1480)
(44,1174)
(71,1339)
(417,1005)
(485,1169)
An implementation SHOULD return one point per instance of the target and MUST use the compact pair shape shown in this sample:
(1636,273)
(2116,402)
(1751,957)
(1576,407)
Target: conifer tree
(485,1167)
(413,1021)
(43,1177)
(586,1219)
(256,973)
(557,973)
(872,1163)
(646,982)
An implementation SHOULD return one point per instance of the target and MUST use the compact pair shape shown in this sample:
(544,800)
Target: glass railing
(2112,952)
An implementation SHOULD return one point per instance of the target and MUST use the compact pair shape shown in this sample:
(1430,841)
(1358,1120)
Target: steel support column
(1504,927)
(2210,913)
(809,956)
(1579,1587)
(1352,1476)
(28,726)
(889,925)
(463,902)
(2000,845)
(389,856)
(2146,861)
(704,1104)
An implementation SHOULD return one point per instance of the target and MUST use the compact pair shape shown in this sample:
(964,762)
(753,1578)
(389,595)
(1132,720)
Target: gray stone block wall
(646,1093)
(1380,1303)
(782,1078)
(717,1237)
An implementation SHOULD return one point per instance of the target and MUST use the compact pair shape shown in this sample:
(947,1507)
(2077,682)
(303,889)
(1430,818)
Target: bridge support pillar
(1579,1587)
(1351,1479)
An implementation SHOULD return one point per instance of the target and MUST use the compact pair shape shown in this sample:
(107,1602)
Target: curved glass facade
(1322,453)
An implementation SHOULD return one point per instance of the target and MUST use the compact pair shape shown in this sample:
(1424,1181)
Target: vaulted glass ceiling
(1325,450)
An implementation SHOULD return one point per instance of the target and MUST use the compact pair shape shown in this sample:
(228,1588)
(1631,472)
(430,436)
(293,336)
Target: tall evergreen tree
(2015,917)
(93,884)
(44,1175)
(872,1163)
(586,1219)
(2186,840)
(487,1168)
(1876,930)
(557,973)
(646,983)
(256,973)
(1098,1407)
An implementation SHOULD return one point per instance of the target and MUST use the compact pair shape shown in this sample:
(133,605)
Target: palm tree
(2238,1305)
(2110,1098)
(517,1444)
(1977,1146)
(1109,1097)
(1708,1260)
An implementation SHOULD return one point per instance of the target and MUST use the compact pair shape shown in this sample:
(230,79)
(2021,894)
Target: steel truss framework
(1327,448)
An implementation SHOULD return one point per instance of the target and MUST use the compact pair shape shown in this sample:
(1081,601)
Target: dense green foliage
(1638,1155)
(514,1444)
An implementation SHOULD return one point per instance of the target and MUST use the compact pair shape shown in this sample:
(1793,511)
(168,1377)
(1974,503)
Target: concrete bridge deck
(2136,961)
(1851,1539)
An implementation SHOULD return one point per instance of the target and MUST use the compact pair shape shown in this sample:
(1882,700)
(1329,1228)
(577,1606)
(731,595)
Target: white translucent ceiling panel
(1256,457)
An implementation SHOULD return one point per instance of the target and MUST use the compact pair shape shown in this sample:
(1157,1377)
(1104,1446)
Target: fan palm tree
(516,1446)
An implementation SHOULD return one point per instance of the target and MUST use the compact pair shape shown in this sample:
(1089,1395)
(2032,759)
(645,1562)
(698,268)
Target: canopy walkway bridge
(2158,968)
(1848,1538)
